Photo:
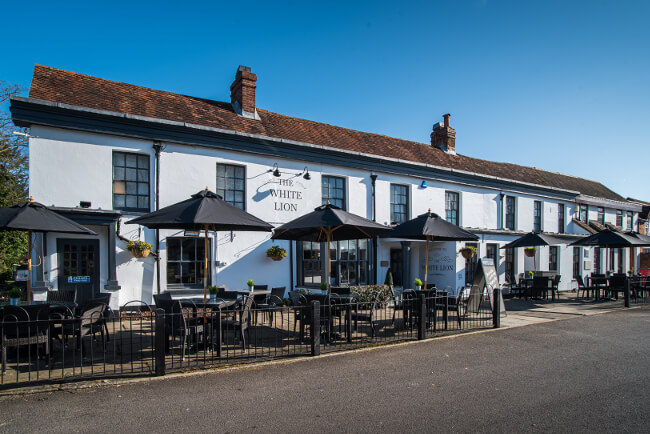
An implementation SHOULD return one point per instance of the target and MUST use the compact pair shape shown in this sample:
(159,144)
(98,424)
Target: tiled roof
(60,86)
(585,226)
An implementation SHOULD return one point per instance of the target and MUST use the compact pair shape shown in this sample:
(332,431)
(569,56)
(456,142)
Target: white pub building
(103,152)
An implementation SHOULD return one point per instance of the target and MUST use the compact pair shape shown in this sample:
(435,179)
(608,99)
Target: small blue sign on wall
(78,279)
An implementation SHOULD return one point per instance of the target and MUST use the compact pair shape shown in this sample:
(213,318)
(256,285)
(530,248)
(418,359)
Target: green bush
(213,289)
(367,292)
(14,293)
(389,278)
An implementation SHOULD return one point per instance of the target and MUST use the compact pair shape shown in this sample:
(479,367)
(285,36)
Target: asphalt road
(577,375)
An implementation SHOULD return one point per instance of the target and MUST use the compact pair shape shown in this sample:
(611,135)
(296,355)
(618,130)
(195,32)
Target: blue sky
(563,86)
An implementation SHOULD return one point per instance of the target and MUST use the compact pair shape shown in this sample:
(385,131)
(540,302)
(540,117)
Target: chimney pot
(446,118)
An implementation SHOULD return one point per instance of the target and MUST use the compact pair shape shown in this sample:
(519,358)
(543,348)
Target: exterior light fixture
(424,184)
(306,176)
(276,170)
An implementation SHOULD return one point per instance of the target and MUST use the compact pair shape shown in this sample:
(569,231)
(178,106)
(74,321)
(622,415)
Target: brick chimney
(242,93)
(443,136)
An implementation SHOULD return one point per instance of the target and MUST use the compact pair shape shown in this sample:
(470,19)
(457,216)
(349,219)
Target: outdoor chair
(90,321)
(396,300)
(273,303)
(299,303)
(108,313)
(555,285)
(180,320)
(616,285)
(66,296)
(585,289)
(25,326)
(240,326)
(367,313)
(223,293)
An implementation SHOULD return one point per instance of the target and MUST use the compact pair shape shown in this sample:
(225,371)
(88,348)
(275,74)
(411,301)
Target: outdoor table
(410,305)
(214,324)
(345,301)
(598,283)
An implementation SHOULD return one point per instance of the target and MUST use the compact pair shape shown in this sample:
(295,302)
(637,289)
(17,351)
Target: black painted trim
(26,112)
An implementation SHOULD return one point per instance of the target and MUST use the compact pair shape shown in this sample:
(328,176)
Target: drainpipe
(501,212)
(291,270)
(157,147)
(373,179)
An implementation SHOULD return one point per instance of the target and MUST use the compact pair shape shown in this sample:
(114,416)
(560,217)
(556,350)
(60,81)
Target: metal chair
(242,324)
(20,329)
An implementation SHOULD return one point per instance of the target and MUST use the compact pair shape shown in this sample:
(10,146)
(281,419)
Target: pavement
(586,373)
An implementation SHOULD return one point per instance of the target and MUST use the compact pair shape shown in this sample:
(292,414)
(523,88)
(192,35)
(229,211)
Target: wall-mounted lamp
(306,176)
(423,185)
(276,170)
(85,204)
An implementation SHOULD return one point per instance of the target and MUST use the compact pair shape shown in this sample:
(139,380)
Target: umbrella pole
(329,263)
(205,267)
(29,266)
(426,264)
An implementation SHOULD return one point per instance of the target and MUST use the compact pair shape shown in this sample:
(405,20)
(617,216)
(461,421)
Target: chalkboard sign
(484,276)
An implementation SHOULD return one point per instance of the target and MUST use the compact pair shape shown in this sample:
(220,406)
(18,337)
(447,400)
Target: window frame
(336,261)
(223,192)
(600,216)
(137,169)
(553,258)
(561,218)
(630,220)
(512,214)
(619,218)
(405,205)
(577,261)
(456,211)
(198,262)
(537,216)
(329,198)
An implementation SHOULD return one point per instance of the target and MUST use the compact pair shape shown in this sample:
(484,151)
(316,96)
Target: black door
(78,266)
(396,266)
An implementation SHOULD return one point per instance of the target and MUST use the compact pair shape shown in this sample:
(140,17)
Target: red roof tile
(60,86)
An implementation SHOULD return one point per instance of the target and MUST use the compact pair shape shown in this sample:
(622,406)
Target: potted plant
(531,274)
(250,284)
(530,251)
(609,273)
(323,286)
(389,278)
(213,293)
(468,252)
(630,272)
(276,253)
(418,284)
(139,249)
(14,296)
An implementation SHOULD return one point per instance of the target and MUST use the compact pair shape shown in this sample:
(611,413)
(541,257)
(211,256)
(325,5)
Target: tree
(13,181)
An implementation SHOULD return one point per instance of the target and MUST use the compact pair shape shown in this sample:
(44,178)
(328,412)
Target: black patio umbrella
(429,227)
(611,239)
(203,211)
(534,239)
(328,223)
(35,217)
(641,237)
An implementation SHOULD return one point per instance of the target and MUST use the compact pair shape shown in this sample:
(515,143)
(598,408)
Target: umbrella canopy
(202,210)
(205,211)
(35,217)
(533,239)
(430,227)
(328,223)
(609,238)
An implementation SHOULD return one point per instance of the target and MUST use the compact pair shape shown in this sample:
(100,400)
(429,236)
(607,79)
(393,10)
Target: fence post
(159,339)
(315,328)
(422,324)
(496,308)
(626,291)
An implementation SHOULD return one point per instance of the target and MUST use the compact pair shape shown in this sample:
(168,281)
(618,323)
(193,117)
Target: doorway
(78,267)
(396,258)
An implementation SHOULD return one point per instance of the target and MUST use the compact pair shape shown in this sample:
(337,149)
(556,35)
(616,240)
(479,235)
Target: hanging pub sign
(78,279)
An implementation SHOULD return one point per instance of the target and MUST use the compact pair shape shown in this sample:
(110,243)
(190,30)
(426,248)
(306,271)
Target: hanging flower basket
(276,253)
(530,251)
(139,249)
(468,252)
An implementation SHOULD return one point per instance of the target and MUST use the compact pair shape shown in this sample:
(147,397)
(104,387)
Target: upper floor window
(510,212)
(231,184)
(130,181)
(601,215)
(333,188)
(451,207)
(185,261)
(629,220)
(491,251)
(619,218)
(537,216)
(399,204)
(560,218)
(583,213)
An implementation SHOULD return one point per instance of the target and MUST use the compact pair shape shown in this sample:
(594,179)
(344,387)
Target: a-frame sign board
(484,276)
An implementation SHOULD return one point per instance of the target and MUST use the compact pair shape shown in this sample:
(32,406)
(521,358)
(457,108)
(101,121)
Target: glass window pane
(118,159)
(173,272)
(143,202)
(131,201)
(131,188)
(189,253)
(118,173)
(143,175)
(119,187)
(143,188)
(131,160)
(119,201)
(143,161)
